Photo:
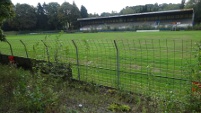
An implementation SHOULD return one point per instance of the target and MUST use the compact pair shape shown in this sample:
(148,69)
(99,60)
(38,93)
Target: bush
(11,79)
(197,27)
(26,92)
(195,71)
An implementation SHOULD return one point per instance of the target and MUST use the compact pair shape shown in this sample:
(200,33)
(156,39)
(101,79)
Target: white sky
(99,6)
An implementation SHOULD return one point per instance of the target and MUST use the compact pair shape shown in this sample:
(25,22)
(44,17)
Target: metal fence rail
(141,66)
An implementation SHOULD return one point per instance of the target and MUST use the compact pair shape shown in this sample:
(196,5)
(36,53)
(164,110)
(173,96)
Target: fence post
(118,67)
(77,58)
(48,56)
(11,50)
(24,48)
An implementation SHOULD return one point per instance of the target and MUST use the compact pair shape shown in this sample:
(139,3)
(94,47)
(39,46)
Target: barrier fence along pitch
(141,66)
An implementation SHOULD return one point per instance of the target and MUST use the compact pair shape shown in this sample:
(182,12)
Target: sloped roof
(137,14)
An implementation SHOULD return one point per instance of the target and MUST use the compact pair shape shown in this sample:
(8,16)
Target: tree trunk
(2,36)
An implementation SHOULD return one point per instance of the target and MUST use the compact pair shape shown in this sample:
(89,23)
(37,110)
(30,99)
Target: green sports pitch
(135,61)
(192,35)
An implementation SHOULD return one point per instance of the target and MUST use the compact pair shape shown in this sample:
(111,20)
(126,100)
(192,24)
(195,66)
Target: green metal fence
(140,66)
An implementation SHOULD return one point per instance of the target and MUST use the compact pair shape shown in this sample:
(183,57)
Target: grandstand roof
(137,14)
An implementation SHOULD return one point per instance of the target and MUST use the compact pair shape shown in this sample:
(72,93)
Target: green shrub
(39,94)
(194,97)
(197,27)
(10,80)
(26,92)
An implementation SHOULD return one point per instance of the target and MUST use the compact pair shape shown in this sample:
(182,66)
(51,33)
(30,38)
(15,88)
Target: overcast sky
(99,6)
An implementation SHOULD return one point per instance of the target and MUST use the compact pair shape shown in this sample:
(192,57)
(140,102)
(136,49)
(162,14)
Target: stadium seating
(170,19)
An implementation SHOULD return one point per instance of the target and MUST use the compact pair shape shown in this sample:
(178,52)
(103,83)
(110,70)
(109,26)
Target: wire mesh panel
(17,48)
(148,66)
(140,66)
(35,49)
(97,61)
(145,66)
(5,48)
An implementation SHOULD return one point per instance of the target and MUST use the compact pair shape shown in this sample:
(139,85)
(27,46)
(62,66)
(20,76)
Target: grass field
(146,62)
(194,35)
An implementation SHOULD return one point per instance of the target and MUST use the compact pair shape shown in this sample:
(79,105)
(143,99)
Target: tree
(138,8)
(83,12)
(151,7)
(41,17)
(105,14)
(195,4)
(114,13)
(155,7)
(127,10)
(182,4)
(145,8)
(198,12)
(68,15)
(6,26)
(51,10)
(63,14)
(93,15)
(192,3)
(75,15)
(25,18)
(6,11)
(165,6)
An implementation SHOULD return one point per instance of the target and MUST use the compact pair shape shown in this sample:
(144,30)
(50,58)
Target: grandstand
(171,19)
